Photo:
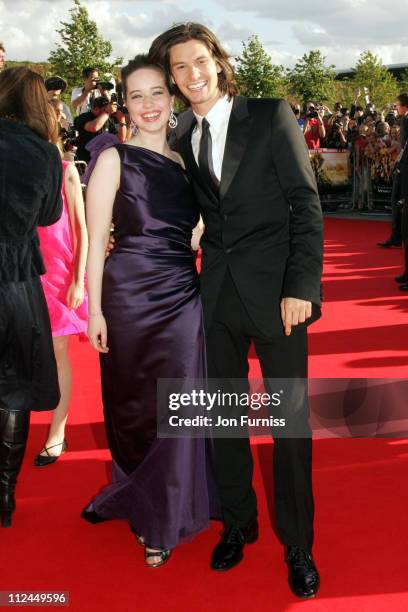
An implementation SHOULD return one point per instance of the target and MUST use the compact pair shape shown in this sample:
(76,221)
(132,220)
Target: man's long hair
(403,99)
(181,33)
(23,98)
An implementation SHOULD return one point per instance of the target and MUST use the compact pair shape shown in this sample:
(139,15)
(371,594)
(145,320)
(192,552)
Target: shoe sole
(45,464)
(302,596)
(225,569)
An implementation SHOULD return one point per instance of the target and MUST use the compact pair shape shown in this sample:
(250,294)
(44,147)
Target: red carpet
(360,485)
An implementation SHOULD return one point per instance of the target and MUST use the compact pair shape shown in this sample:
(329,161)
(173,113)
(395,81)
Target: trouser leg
(395,211)
(227,354)
(404,228)
(286,358)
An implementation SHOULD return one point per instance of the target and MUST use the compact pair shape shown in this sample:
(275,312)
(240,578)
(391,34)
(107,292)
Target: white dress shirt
(218,118)
(87,103)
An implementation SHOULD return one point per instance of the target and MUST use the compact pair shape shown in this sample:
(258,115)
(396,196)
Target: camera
(312,114)
(119,101)
(69,138)
(107,85)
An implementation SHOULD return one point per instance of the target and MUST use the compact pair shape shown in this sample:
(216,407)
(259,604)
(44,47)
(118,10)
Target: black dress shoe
(230,549)
(390,243)
(402,278)
(303,576)
(404,287)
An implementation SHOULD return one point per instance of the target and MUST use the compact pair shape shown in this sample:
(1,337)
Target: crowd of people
(144,310)
(377,143)
(359,127)
(373,138)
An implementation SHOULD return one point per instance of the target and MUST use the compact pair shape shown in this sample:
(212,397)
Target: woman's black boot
(14,426)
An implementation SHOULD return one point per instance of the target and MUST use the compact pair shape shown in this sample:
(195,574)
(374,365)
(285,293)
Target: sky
(341,29)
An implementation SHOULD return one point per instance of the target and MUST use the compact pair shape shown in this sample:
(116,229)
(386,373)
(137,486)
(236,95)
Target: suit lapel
(239,128)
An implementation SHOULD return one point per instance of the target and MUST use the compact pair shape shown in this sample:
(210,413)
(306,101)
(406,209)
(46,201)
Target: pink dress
(56,244)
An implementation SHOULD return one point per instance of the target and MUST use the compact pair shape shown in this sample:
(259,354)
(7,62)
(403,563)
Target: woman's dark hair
(403,99)
(138,62)
(23,97)
(181,33)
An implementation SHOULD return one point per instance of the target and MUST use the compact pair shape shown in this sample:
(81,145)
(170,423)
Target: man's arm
(96,124)
(295,174)
(322,129)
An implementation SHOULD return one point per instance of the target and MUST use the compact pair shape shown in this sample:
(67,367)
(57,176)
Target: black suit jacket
(403,130)
(266,226)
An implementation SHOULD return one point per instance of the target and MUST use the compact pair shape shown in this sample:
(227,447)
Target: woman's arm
(76,211)
(101,192)
(197,233)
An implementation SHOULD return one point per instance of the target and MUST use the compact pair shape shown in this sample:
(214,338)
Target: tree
(42,68)
(403,84)
(81,46)
(257,76)
(311,79)
(372,74)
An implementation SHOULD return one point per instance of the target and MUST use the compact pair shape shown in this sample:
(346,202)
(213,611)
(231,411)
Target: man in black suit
(260,278)
(402,169)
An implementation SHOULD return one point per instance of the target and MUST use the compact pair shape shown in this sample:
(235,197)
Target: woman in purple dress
(146,320)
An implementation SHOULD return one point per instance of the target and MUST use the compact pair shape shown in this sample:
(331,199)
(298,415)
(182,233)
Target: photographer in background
(2,57)
(106,89)
(337,137)
(352,133)
(55,86)
(104,117)
(297,113)
(313,129)
(82,97)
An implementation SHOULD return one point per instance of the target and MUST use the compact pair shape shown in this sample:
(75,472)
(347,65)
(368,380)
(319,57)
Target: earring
(172,120)
(134,127)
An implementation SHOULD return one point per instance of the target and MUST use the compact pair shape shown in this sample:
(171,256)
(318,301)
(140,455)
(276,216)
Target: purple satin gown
(151,302)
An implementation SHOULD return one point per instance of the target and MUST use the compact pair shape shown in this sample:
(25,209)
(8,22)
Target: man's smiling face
(195,73)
